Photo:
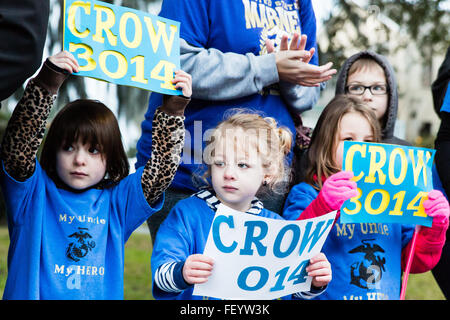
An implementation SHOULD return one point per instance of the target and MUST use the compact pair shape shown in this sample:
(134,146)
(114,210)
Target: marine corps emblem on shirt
(81,245)
(367,273)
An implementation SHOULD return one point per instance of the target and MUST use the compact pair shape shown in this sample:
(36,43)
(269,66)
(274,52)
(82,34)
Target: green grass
(422,286)
(4,243)
(137,276)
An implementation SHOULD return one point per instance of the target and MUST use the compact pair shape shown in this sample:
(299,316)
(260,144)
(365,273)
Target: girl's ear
(267,179)
(271,173)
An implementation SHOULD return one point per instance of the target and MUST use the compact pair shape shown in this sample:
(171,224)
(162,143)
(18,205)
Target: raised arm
(231,75)
(167,140)
(219,76)
(26,126)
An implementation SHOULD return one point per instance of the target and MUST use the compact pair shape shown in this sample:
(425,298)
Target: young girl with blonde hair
(246,151)
(367,258)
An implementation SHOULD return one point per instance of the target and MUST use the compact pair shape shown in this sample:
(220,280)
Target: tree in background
(425,23)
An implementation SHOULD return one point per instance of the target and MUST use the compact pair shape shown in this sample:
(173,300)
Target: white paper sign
(261,258)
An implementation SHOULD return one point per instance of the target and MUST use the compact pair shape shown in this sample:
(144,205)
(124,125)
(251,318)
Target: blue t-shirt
(365,258)
(66,245)
(239,26)
(183,233)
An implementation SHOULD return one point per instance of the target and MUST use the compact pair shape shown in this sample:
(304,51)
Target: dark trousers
(441,271)
(442,144)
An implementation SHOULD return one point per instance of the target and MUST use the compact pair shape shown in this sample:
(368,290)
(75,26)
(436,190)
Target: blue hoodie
(223,48)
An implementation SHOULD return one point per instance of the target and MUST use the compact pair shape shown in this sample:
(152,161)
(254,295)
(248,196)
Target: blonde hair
(273,143)
(320,164)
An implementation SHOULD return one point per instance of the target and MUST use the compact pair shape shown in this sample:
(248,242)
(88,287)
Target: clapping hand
(293,62)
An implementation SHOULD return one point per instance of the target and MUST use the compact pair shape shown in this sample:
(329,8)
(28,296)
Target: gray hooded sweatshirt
(391,111)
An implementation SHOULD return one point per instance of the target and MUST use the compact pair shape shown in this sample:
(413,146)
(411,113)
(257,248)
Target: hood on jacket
(391,110)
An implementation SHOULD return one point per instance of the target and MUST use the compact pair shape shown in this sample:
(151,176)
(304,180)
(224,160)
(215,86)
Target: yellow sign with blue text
(122,45)
(393,182)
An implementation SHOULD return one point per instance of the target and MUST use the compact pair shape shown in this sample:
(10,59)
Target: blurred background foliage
(425,22)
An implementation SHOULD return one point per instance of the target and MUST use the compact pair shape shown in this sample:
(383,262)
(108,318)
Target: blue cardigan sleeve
(300,196)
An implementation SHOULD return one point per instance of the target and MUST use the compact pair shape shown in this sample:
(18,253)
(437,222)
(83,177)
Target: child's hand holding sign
(320,270)
(197,269)
(437,207)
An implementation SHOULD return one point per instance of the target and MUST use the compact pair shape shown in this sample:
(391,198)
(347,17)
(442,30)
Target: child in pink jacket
(367,259)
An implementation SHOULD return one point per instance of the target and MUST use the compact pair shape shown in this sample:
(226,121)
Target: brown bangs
(81,128)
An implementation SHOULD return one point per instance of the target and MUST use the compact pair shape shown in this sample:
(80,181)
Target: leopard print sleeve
(25,131)
(26,127)
(168,139)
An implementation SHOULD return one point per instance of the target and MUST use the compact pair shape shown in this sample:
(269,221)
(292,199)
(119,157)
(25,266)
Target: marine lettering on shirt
(74,273)
(80,246)
(274,18)
(348,229)
(64,217)
(262,14)
(368,296)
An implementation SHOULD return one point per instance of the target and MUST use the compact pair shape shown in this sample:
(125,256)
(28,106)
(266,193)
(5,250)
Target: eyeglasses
(359,89)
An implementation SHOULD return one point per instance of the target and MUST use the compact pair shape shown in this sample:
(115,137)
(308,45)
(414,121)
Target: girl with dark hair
(93,123)
(70,214)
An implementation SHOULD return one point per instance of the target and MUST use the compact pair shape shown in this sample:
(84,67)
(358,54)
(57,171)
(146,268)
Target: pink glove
(437,206)
(338,188)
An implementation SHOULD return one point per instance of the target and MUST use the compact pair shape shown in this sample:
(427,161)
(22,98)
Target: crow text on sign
(393,182)
(261,258)
(122,45)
